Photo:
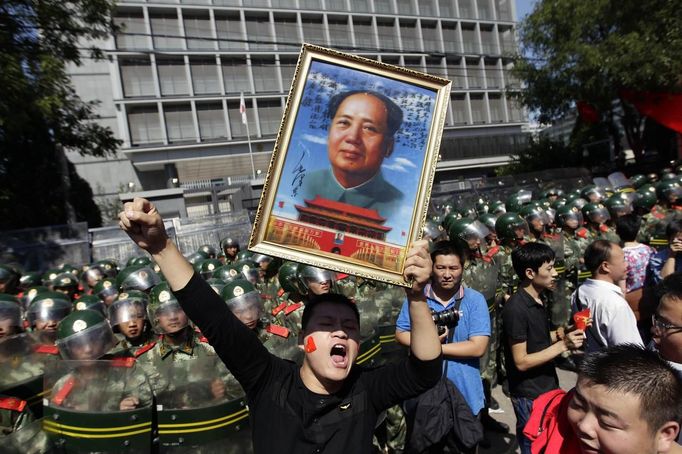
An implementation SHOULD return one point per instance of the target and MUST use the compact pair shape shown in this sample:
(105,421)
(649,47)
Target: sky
(524,7)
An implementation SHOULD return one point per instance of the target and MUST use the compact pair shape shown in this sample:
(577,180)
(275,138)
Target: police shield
(559,304)
(483,278)
(201,408)
(111,398)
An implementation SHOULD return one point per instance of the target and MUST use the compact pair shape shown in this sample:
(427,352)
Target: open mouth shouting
(338,356)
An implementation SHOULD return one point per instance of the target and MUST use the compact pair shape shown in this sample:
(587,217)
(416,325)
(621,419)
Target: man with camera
(464,325)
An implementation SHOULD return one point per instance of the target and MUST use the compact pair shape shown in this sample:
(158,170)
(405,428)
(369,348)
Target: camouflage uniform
(280,343)
(14,415)
(167,365)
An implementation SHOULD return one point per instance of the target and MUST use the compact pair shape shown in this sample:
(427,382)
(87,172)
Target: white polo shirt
(614,322)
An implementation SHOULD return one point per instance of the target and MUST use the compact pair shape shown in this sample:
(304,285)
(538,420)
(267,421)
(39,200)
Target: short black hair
(627,226)
(394,114)
(632,369)
(446,247)
(673,228)
(669,287)
(531,255)
(316,300)
(597,252)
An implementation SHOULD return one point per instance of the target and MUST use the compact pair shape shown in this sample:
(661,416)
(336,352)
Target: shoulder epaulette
(144,349)
(279,308)
(12,403)
(581,232)
(341,276)
(203,339)
(47,349)
(493,250)
(291,308)
(280,292)
(277,330)
(123,362)
(604,228)
(63,393)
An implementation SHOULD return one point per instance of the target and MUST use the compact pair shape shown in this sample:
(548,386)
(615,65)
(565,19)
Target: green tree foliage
(577,50)
(40,113)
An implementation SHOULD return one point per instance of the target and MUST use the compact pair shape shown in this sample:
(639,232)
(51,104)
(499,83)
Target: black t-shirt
(524,319)
(286,417)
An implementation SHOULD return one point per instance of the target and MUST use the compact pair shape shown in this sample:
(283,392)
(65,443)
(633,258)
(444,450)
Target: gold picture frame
(356,208)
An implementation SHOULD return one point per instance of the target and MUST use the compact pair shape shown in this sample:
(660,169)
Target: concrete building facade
(171,88)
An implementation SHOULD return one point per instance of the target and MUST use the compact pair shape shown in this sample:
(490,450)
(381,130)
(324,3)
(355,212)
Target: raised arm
(237,346)
(424,342)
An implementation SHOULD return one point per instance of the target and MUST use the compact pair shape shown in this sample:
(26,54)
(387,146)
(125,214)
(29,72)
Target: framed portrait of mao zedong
(352,167)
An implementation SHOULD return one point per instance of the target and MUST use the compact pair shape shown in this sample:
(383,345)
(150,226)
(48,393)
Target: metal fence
(42,248)
(45,247)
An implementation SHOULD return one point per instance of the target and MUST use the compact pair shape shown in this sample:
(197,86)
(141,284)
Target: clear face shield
(167,318)
(248,308)
(520,229)
(537,219)
(142,279)
(123,311)
(317,280)
(595,195)
(620,183)
(431,231)
(88,344)
(524,196)
(674,194)
(249,272)
(10,318)
(474,234)
(579,203)
(573,219)
(599,215)
(48,310)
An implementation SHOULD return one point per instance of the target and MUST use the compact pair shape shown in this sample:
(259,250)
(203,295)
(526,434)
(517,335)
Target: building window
(286,28)
(492,74)
(507,40)
(339,32)
(406,7)
(488,43)
(313,30)
(383,6)
(288,67)
(469,38)
(211,121)
(144,124)
(515,111)
(288,4)
(388,34)
(166,31)
(311,4)
(204,76)
(446,8)
(478,111)
(359,6)
(485,12)
(414,63)
(235,75)
(456,72)
(434,65)
(198,26)
(229,29)
(450,36)
(474,73)
(133,34)
(258,29)
(256,3)
(430,37)
(503,8)
(137,77)
(179,123)
(172,77)
(408,33)
(466,9)
(227,2)
(270,115)
(264,75)
(236,126)
(364,34)
(496,108)
(426,8)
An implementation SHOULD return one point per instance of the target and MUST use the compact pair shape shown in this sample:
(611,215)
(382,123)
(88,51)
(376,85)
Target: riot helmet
(249,269)
(47,309)
(669,191)
(511,227)
(288,278)
(593,193)
(137,277)
(208,251)
(208,267)
(128,316)
(244,301)
(90,302)
(141,260)
(9,279)
(84,335)
(518,199)
(65,283)
(569,217)
(596,213)
(10,315)
(106,290)
(316,281)
(227,273)
(618,206)
(164,311)
(468,234)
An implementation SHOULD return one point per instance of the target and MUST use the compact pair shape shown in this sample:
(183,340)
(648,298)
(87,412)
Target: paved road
(506,443)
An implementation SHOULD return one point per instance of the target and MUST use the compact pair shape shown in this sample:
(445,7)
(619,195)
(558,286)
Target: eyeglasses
(659,324)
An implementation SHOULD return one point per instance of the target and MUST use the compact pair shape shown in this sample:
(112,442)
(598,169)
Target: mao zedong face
(358,142)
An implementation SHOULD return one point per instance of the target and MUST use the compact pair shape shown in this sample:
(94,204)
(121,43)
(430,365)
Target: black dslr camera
(448,317)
